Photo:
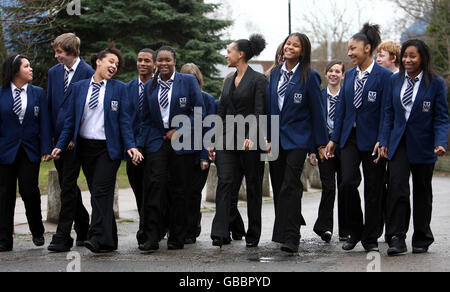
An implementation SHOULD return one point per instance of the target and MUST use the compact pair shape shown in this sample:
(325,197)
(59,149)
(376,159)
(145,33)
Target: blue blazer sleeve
(69,122)
(319,124)
(440,116)
(388,114)
(125,118)
(145,122)
(45,125)
(386,81)
(339,115)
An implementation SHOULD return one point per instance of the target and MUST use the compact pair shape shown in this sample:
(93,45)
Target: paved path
(314,255)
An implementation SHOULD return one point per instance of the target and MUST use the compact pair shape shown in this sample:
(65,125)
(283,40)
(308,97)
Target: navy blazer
(57,99)
(369,117)
(427,126)
(118,129)
(34,134)
(302,122)
(136,115)
(186,95)
(211,109)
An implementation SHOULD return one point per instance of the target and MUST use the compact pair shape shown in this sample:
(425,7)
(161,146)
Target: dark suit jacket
(252,97)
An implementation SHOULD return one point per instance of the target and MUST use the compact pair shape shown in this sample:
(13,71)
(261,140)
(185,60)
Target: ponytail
(370,35)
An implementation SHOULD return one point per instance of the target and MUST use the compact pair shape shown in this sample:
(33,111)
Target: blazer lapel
(275,80)
(10,101)
(108,97)
(292,84)
(419,98)
(176,88)
(80,101)
(397,96)
(30,103)
(154,105)
(350,90)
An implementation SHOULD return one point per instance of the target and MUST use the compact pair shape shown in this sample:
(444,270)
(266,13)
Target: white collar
(369,69)
(74,67)
(284,68)
(171,78)
(92,81)
(13,87)
(420,76)
(331,94)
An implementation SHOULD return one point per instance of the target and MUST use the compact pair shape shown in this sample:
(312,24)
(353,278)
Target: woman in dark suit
(99,123)
(294,95)
(415,133)
(168,167)
(25,136)
(244,94)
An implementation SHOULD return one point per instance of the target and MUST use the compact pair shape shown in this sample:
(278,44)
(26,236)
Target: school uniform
(416,121)
(298,105)
(25,135)
(99,123)
(330,171)
(248,98)
(357,129)
(60,82)
(135,173)
(176,97)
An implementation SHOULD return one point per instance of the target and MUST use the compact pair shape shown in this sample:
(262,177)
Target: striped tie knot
(407,99)
(17,105)
(141,96)
(165,88)
(93,102)
(286,78)
(66,78)
(360,82)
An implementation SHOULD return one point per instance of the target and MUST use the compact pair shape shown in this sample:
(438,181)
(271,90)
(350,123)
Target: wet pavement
(314,255)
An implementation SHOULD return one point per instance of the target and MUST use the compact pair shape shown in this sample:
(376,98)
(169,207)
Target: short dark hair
(251,47)
(11,66)
(425,55)
(335,62)
(369,34)
(150,51)
(111,49)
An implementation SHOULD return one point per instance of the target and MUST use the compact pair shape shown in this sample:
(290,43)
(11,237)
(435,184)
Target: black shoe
(4,248)
(237,237)
(93,247)
(419,250)
(174,246)
(189,241)
(290,247)
(252,244)
(217,242)
(397,246)
(350,244)
(59,247)
(326,236)
(371,247)
(149,247)
(39,240)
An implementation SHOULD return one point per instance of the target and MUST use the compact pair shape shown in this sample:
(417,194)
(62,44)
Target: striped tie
(333,102)
(17,105)
(165,88)
(359,90)
(408,95)
(66,79)
(141,96)
(284,85)
(93,102)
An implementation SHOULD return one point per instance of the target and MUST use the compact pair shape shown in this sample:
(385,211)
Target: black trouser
(399,207)
(237,227)
(286,176)
(162,167)
(330,170)
(72,208)
(228,163)
(27,174)
(101,173)
(136,178)
(195,215)
(365,230)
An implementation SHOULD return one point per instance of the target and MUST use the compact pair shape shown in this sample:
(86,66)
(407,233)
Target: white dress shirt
(408,109)
(360,74)
(23,97)
(280,83)
(74,67)
(165,113)
(93,120)
(330,122)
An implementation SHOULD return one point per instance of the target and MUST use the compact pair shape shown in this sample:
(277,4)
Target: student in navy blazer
(294,95)
(415,133)
(71,69)
(99,123)
(357,130)
(25,137)
(201,168)
(170,95)
(330,169)
(145,65)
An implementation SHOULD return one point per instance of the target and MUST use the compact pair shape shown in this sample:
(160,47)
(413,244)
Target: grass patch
(122,178)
